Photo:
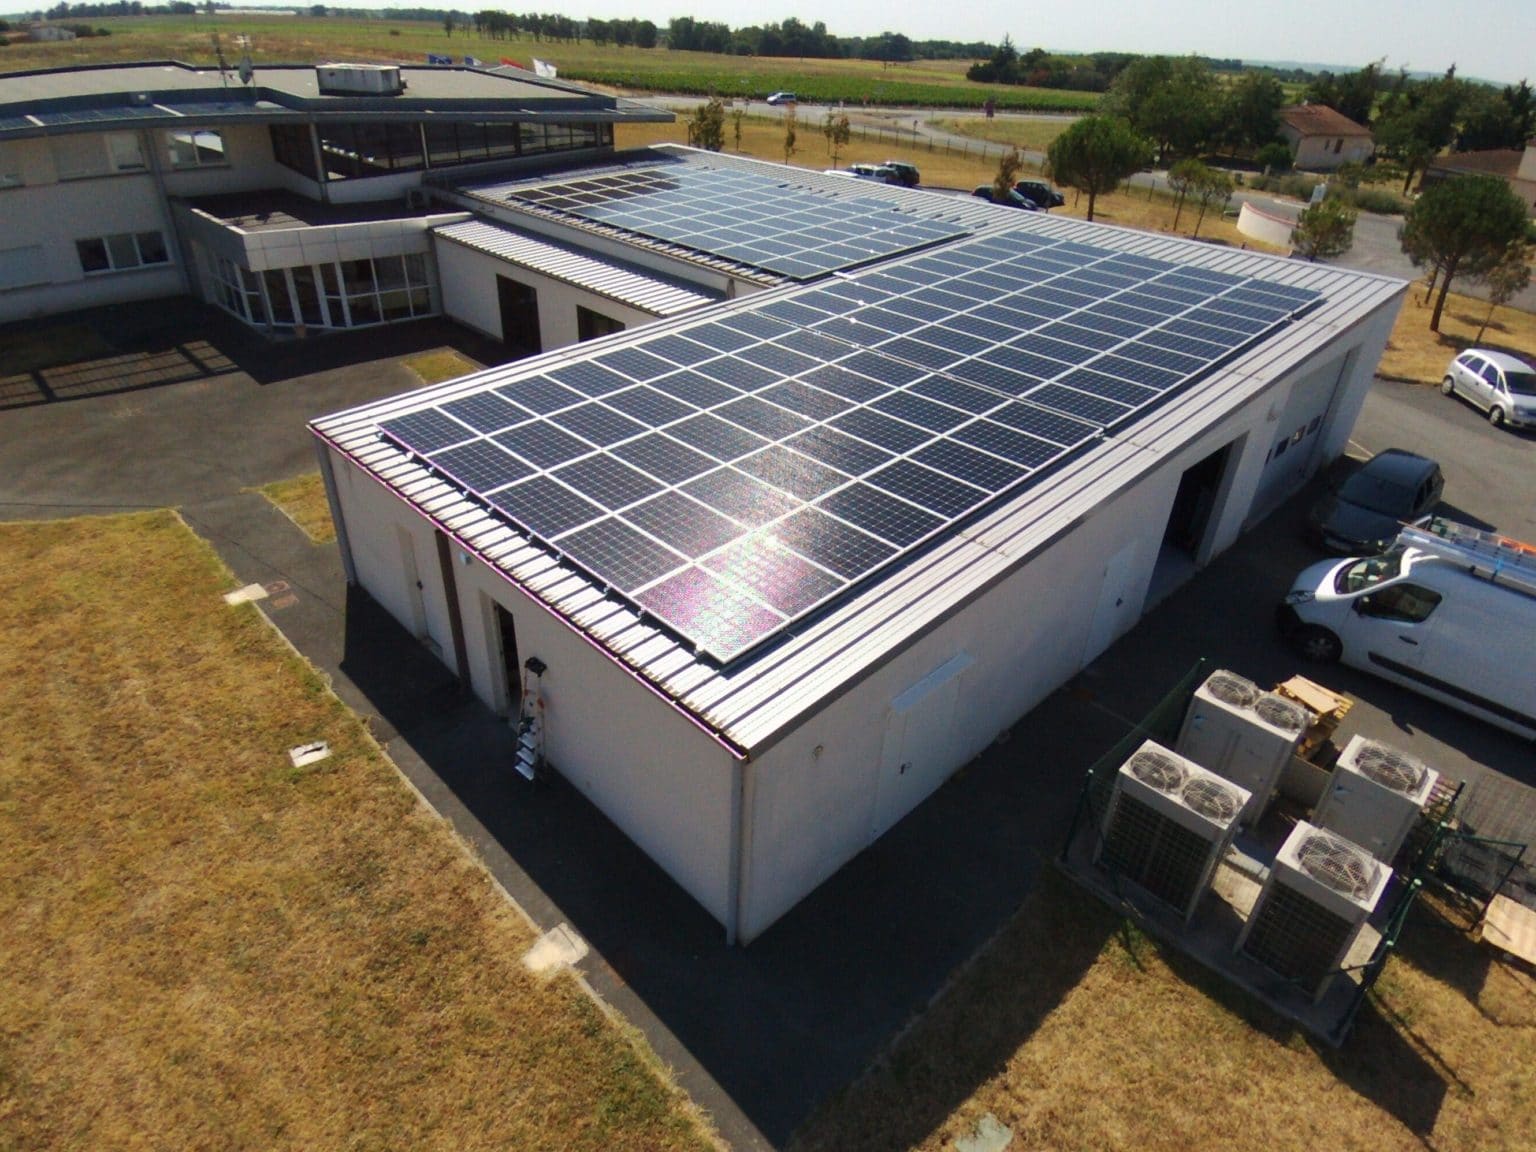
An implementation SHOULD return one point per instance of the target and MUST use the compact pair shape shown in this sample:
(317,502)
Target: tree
(1510,276)
(1417,120)
(1095,154)
(1182,177)
(1212,187)
(1325,229)
(1250,111)
(448,22)
(1174,103)
(1275,156)
(1462,226)
(738,114)
(838,132)
(706,127)
(1009,165)
(789,133)
(1352,95)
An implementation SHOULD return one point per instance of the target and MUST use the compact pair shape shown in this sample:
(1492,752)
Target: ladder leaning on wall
(529,760)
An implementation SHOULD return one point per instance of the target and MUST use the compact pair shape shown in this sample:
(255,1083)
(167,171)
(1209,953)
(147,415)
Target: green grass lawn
(206,948)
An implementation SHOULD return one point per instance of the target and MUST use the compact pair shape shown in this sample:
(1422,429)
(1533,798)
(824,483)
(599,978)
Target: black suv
(906,174)
(1040,192)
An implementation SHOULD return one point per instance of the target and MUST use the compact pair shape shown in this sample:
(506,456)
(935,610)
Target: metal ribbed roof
(751,703)
(626,285)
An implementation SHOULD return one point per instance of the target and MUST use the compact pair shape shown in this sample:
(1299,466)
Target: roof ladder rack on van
(1500,558)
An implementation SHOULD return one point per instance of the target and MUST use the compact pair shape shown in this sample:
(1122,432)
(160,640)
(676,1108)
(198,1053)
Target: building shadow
(152,344)
(759,1035)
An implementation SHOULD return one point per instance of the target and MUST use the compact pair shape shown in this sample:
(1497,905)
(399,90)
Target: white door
(1296,433)
(411,574)
(1117,607)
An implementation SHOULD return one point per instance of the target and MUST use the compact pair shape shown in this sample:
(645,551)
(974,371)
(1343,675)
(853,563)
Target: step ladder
(1500,559)
(529,760)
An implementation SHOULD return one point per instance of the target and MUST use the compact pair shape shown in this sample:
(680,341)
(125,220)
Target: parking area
(757,1035)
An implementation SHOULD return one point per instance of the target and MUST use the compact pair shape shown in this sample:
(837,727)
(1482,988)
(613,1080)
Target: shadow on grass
(151,344)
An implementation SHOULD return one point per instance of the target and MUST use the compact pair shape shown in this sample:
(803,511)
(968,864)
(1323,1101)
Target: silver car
(1497,382)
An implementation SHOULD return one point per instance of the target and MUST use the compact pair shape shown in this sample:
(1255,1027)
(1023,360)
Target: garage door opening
(519,317)
(511,669)
(1189,523)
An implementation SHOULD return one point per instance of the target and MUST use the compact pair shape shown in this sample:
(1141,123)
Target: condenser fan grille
(1280,712)
(1337,864)
(1230,688)
(1390,769)
(1212,799)
(1159,771)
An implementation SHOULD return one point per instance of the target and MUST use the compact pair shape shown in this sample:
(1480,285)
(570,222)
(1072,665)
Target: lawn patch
(208,948)
(303,500)
(1417,355)
(443,364)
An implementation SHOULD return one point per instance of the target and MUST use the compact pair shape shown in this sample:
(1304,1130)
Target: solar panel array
(735,476)
(747,217)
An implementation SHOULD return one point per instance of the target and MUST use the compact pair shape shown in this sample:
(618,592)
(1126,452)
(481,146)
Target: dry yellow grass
(302,499)
(206,948)
(1415,353)
(1079,1033)
(442,364)
(1035,135)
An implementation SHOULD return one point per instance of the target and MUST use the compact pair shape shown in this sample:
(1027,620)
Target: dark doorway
(1195,501)
(507,631)
(592,325)
(519,317)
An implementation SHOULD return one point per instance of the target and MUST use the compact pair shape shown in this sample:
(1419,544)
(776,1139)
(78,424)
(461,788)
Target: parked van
(1448,611)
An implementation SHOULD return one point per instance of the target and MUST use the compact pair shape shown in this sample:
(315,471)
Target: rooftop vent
(1390,768)
(1157,769)
(359,79)
(1230,688)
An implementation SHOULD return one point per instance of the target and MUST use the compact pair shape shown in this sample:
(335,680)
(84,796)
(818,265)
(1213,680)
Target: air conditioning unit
(1319,893)
(1168,824)
(1374,796)
(359,79)
(1242,734)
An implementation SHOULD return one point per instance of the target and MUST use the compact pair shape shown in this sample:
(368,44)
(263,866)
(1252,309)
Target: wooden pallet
(1510,927)
(1327,705)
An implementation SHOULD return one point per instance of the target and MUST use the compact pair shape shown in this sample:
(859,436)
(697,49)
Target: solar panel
(731,478)
(799,232)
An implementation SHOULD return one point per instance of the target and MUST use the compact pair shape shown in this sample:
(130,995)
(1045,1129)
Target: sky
(1486,39)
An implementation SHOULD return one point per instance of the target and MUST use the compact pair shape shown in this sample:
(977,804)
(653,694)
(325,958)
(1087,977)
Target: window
(196,148)
(122,251)
(124,151)
(592,325)
(1338,146)
(1407,603)
(293,148)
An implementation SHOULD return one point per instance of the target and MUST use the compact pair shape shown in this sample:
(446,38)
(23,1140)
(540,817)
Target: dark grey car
(1361,517)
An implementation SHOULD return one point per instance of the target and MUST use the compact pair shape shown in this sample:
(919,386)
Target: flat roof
(97,97)
(752,219)
(276,209)
(755,693)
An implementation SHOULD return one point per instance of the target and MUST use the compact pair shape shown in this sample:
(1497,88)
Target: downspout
(737,865)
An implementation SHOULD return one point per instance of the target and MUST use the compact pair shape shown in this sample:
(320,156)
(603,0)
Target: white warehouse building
(788,561)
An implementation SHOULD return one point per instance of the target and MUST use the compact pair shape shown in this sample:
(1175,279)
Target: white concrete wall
(52,214)
(468,279)
(813,799)
(664,781)
(1316,152)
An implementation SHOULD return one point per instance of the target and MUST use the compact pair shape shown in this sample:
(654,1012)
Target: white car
(1497,382)
(783,98)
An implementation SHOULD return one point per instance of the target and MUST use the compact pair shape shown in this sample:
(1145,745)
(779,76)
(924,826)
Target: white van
(1449,611)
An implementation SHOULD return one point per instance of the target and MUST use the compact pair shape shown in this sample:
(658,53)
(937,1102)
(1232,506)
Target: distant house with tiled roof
(1517,168)
(1321,138)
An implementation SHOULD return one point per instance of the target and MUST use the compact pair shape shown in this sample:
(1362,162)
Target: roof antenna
(218,51)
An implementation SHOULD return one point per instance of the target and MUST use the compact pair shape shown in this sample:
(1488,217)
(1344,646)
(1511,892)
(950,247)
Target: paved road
(758,1036)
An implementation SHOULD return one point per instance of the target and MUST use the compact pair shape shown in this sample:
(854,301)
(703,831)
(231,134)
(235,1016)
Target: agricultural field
(305,39)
